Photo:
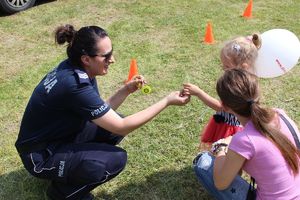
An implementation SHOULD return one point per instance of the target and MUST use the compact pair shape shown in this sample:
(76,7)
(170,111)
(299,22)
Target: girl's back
(265,163)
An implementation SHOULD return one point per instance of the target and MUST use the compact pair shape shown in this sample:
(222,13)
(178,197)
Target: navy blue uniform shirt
(60,106)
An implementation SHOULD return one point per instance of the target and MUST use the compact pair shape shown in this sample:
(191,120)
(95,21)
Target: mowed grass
(166,39)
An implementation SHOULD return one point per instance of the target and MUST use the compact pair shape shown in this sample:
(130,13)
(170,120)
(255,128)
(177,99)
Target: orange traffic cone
(209,37)
(133,70)
(248,10)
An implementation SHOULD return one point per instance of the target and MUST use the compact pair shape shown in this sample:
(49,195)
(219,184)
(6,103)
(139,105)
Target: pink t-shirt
(274,178)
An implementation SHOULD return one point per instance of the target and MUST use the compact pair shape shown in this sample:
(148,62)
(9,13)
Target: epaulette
(82,76)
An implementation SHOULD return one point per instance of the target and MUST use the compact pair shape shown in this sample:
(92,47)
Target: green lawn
(166,39)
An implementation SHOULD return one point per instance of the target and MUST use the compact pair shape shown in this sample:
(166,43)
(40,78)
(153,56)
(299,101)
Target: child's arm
(209,100)
(203,96)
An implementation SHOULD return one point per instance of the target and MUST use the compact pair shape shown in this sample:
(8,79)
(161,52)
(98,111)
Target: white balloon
(279,52)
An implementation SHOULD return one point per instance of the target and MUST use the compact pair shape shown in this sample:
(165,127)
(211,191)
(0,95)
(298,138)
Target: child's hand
(191,89)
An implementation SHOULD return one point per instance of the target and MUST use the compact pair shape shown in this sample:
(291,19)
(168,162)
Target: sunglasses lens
(108,56)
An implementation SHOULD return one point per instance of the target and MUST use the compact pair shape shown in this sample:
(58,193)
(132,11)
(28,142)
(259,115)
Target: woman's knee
(120,160)
(115,166)
(99,170)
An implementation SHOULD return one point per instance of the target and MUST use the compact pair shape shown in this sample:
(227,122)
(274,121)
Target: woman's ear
(85,60)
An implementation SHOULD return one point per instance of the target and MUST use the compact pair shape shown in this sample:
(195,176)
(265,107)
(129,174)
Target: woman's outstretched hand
(177,98)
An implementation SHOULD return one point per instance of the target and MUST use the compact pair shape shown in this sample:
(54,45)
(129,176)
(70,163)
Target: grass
(166,39)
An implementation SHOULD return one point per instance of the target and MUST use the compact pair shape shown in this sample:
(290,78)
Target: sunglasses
(106,56)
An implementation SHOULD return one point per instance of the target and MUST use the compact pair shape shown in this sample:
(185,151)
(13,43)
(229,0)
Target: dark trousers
(77,168)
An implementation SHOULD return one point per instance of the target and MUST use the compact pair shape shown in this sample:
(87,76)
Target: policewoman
(68,132)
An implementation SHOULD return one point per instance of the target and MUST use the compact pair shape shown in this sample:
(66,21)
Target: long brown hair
(239,90)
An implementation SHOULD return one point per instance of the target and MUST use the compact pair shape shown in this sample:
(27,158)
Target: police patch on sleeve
(100,111)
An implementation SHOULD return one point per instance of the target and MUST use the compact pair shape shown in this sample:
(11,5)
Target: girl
(265,148)
(238,53)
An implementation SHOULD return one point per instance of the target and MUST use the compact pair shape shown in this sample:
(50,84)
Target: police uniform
(58,141)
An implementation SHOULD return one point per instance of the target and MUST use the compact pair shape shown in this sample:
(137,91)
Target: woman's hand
(177,98)
(135,83)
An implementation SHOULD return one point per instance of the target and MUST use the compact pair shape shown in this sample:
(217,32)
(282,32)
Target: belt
(29,148)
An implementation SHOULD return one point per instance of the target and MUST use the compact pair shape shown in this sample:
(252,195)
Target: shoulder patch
(82,76)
